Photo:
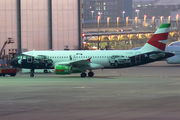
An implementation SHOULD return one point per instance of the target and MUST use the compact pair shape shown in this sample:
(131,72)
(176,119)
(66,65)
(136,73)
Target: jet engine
(174,60)
(63,69)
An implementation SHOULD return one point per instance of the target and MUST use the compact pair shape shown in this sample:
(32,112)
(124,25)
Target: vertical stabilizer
(158,41)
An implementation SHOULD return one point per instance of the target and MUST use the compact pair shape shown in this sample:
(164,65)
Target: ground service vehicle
(5,69)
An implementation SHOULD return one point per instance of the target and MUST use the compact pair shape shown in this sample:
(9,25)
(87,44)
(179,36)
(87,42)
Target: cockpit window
(20,56)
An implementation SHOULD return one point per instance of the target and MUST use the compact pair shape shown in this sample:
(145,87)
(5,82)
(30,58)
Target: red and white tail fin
(158,41)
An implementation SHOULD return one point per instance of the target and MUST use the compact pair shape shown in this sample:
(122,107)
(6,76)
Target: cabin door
(30,58)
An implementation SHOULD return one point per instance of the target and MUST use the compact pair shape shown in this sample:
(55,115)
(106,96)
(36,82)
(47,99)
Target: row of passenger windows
(82,57)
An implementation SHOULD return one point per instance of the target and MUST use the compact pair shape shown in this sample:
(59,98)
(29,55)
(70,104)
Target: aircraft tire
(31,75)
(83,74)
(45,71)
(90,74)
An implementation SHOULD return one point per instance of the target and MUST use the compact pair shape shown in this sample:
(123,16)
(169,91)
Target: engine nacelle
(63,69)
(174,60)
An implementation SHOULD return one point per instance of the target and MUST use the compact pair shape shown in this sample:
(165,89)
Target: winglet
(89,59)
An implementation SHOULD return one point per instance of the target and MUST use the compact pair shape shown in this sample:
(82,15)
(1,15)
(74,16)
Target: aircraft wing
(79,63)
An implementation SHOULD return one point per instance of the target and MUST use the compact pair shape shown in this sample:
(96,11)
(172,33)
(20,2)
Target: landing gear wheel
(90,74)
(32,75)
(45,71)
(83,74)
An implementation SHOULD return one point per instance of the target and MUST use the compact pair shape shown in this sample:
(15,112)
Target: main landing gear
(32,73)
(90,74)
(83,74)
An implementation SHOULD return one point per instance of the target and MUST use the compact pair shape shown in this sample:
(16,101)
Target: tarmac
(147,92)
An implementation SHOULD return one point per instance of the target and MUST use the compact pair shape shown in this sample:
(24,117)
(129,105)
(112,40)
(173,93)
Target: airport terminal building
(41,24)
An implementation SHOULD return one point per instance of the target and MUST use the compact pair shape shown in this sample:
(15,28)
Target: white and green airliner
(80,61)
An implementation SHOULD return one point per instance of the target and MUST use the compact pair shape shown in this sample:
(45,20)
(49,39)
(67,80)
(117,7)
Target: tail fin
(158,41)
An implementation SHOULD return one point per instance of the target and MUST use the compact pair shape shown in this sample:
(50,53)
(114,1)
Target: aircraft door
(137,57)
(70,57)
(29,58)
(74,57)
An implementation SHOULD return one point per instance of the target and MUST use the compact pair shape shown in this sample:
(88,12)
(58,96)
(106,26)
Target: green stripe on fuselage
(165,25)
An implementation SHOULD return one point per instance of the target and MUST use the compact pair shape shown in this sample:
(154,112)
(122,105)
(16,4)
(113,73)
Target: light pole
(108,18)
(137,12)
(98,19)
(177,18)
(123,14)
(153,20)
(100,14)
(118,24)
(145,16)
(127,18)
(161,19)
(98,22)
(92,12)
(169,19)
(136,18)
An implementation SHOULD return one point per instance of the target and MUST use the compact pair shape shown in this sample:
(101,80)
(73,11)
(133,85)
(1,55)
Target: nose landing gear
(45,71)
(32,73)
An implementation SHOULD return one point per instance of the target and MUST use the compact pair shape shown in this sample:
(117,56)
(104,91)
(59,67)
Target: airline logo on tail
(159,39)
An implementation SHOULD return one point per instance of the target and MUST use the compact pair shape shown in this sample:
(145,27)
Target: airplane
(173,49)
(176,43)
(79,61)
